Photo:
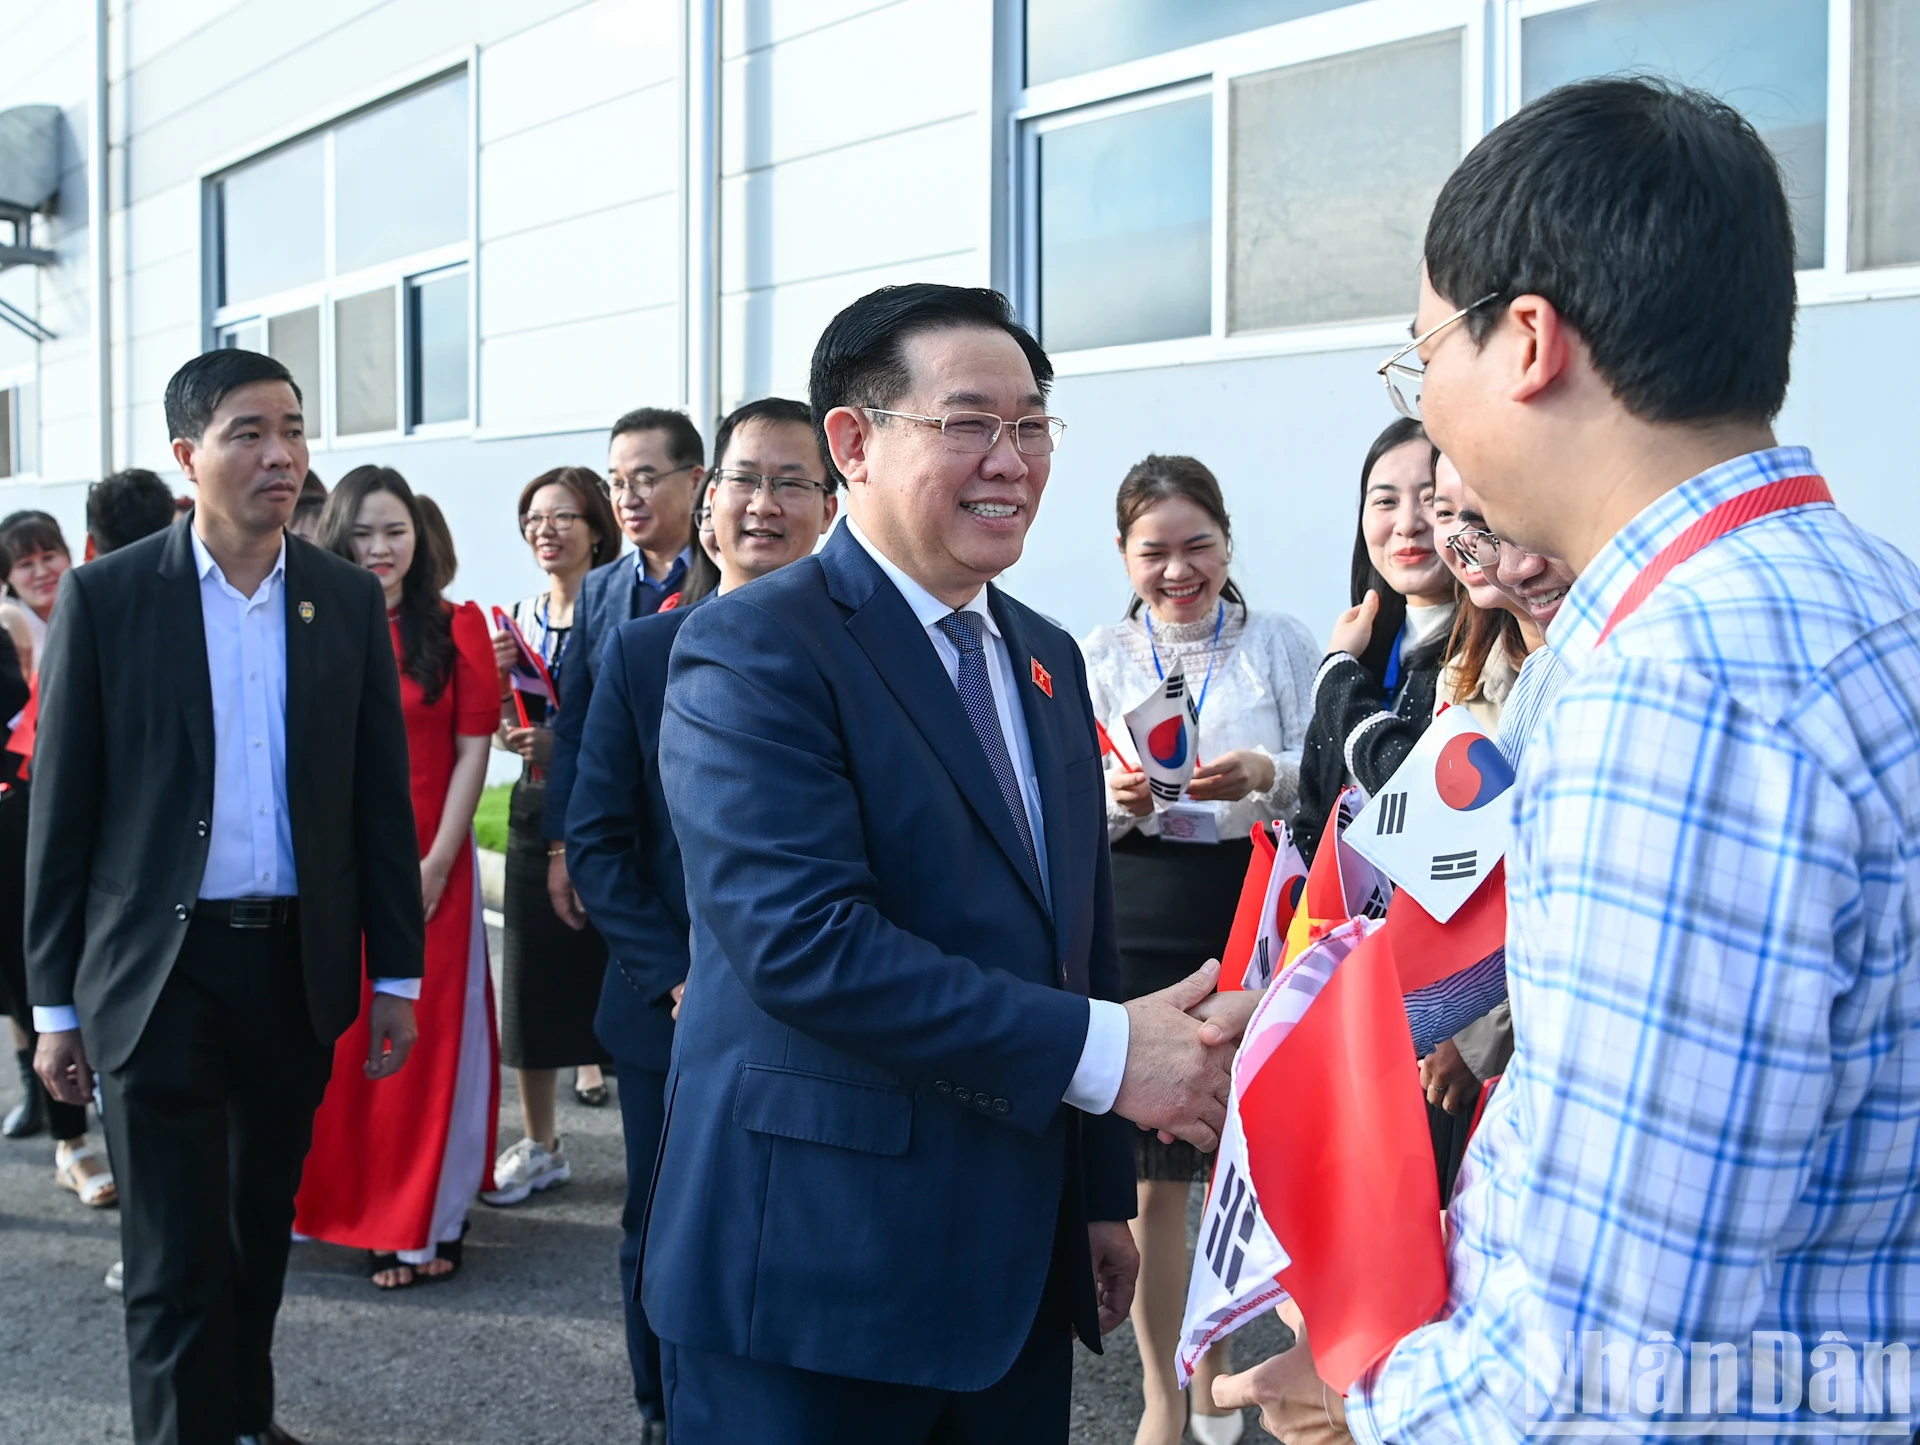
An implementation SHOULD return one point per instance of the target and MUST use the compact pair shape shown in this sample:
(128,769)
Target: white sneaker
(1216,1429)
(527,1166)
(116,1277)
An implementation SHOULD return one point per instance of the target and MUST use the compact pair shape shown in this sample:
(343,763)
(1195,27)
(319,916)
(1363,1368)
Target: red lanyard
(1735,512)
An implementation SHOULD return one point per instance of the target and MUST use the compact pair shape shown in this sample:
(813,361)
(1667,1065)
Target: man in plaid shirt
(1709,1135)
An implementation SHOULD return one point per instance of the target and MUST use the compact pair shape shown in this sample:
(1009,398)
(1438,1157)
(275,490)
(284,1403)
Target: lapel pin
(306,615)
(1042,679)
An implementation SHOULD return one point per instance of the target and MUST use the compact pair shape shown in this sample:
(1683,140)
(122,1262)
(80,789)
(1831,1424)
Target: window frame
(1211,68)
(217,319)
(1490,92)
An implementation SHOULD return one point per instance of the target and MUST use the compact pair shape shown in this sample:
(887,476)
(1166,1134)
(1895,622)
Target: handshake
(1180,1046)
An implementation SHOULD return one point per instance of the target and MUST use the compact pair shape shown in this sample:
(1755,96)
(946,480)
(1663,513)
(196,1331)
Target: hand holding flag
(1166,731)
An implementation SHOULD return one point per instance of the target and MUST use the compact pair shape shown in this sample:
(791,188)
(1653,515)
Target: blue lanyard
(1393,661)
(546,635)
(1219,621)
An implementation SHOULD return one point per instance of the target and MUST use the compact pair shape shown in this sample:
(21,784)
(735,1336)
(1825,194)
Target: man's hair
(125,507)
(198,388)
(312,500)
(860,359)
(1654,220)
(683,437)
(770,409)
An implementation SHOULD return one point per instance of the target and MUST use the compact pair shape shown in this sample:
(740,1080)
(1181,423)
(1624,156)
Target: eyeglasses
(743,487)
(979,431)
(1404,377)
(642,484)
(1476,547)
(561,523)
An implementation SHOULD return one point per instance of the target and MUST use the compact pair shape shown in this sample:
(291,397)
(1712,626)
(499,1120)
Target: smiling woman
(394,1167)
(1177,873)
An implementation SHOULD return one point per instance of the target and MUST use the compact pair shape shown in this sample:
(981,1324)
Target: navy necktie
(976,695)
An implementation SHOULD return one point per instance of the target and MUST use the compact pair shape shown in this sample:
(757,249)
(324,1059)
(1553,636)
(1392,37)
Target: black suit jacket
(622,853)
(123,788)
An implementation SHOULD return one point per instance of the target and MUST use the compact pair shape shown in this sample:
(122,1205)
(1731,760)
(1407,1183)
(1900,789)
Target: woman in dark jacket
(1376,689)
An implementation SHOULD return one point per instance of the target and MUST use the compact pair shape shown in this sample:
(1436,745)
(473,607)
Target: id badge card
(1188,822)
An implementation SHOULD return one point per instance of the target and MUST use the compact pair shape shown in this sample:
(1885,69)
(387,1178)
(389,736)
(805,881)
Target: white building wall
(857,148)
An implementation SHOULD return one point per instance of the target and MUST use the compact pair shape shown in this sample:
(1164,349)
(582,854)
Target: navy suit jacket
(610,596)
(621,850)
(867,1163)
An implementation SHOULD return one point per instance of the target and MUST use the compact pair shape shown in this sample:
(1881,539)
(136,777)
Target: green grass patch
(490,818)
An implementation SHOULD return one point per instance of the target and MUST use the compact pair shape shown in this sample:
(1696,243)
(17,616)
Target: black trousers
(209,1123)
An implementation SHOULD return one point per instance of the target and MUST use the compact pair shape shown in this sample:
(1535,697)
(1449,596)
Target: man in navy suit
(772,497)
(896,1165)
(655,467)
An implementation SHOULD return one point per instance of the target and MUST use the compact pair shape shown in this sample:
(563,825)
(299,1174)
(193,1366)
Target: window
(341,254)
(19,431)
(1884,197)
(273,227)
(1201,180)
(1331,186)
(1768,58)
(1126,206)
(437,373)
(1253,181)
(1070,37)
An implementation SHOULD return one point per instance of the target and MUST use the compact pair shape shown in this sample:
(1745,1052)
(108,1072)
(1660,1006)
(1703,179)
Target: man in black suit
(655,467)
(221,816)
(772,496)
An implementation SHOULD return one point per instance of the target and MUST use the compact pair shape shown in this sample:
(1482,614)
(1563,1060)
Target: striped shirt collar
(1598,590)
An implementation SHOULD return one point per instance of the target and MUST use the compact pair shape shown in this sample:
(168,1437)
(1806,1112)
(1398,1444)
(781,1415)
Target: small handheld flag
(528,677)
(1439,826)
(1166,729)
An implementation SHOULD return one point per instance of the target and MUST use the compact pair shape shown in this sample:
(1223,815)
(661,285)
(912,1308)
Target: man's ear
(832,511)
(847,432)
(1541,346)
(183,453)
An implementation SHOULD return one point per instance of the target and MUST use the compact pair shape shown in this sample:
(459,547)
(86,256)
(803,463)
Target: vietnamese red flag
(1275,881)
(1342,1163)
(1246,914)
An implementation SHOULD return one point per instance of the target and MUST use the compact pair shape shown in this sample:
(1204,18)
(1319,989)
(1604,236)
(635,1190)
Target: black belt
(247,912)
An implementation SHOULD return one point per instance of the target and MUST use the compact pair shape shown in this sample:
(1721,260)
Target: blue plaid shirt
(1711,1124)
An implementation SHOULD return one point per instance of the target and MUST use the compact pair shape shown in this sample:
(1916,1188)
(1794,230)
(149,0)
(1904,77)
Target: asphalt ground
(523,1347)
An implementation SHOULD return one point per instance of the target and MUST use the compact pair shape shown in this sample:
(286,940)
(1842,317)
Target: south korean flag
(1166,734)
(1441,822)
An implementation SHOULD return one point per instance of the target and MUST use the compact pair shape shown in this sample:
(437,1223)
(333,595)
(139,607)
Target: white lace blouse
(1259,699)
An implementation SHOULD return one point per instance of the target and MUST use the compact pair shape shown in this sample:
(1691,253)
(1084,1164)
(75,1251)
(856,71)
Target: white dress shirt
(1103,1058)
(250,850)
(250,844)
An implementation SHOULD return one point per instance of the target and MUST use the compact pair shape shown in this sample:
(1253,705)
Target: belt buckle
(252,913)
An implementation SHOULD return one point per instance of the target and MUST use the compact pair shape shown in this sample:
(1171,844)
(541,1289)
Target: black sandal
(594,1096)
(379,1264)
(453,1251)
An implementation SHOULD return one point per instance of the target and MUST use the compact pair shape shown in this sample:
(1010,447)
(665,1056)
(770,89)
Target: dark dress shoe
(656,1432)
(272,1435)
(29,1116)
